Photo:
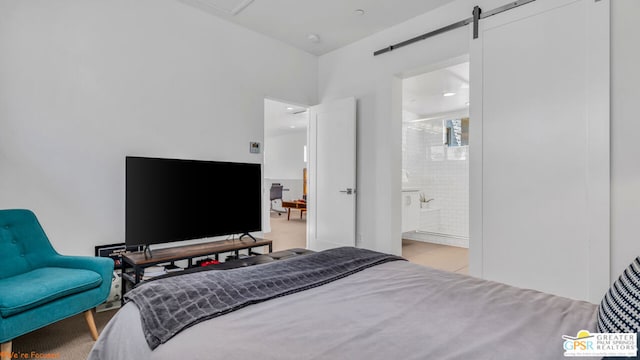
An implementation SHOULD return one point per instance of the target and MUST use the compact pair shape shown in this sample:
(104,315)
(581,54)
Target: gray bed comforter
(172,304)
(397,310)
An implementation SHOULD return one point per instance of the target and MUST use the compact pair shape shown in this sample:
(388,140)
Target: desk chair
(275,195)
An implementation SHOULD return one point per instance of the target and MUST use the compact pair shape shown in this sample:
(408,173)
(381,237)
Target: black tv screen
(171,200)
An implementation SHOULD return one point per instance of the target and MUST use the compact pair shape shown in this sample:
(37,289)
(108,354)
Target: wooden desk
(295,204)
(138,261)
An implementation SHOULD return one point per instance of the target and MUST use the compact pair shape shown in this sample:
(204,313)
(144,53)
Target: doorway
(435,167)
(284,174)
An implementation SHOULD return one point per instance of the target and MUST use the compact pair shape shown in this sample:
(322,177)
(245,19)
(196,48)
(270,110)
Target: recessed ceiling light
(358,12)
(292,126)
(448,94)
(314,38)
(467,103)
(289,108)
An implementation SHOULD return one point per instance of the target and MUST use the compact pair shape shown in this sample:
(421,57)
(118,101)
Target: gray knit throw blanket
(170,305)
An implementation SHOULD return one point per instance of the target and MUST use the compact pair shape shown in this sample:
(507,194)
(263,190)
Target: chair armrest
(101,265)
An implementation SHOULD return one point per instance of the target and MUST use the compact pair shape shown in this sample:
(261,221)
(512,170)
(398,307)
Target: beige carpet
(69,339)
(443,257)
(288,234)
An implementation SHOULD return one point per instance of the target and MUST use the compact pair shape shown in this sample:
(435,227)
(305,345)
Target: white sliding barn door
(331,213)
(540,148)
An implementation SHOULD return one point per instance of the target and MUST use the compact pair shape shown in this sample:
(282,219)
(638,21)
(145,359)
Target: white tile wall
(429,220)
(441,172)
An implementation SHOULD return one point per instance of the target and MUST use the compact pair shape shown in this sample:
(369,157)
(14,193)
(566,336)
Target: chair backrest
(23,243)
(275,192)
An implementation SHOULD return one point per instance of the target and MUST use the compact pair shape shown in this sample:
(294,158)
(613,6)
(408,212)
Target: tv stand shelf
(138,261)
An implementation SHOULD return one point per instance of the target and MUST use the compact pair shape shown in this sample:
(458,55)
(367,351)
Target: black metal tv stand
(247,234)
(140,260)
(147,252)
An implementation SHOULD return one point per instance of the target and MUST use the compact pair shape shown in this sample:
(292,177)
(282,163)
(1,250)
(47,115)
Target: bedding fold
(170,305)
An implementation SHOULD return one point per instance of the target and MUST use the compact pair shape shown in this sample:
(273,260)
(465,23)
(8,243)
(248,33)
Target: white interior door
(539,142)
(331,208)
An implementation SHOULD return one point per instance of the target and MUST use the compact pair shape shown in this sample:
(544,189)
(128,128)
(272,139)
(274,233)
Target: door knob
(349,191)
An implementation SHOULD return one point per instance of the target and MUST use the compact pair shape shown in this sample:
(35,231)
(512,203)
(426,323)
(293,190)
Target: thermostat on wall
(254,147)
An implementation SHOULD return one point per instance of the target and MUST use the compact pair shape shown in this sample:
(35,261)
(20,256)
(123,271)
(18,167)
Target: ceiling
(423,95)
(282,118)
(336,23)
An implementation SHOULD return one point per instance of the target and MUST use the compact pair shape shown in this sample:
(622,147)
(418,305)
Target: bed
(389,310)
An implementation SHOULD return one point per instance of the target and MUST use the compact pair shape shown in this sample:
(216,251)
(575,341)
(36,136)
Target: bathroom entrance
(435,167)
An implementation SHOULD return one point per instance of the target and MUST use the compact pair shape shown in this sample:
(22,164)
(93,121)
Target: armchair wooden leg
(5,350)
(88,316)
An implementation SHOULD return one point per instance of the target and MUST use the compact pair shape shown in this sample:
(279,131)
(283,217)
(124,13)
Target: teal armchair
(38,286)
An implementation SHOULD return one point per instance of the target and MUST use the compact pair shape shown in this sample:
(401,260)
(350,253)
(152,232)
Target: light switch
(254,147)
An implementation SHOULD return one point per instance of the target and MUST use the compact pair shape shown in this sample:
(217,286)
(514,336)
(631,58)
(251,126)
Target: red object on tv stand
(209,262)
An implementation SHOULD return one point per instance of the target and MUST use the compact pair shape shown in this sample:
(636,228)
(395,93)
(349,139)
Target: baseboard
(436,238)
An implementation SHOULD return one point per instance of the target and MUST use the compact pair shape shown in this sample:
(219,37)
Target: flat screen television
(169,200)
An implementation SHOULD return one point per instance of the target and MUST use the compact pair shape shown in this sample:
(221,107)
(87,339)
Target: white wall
(284,155)
(83,83)
(374,81)
(354,71)
(625,129)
